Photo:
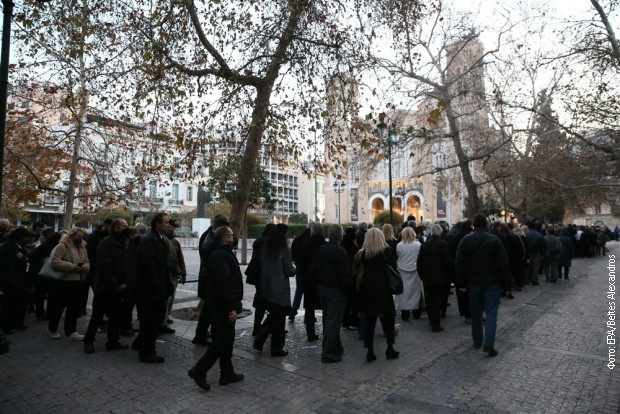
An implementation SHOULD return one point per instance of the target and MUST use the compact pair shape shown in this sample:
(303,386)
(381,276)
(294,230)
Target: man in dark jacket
(109,285)
(206,245)
(92,242)
(332,270)
(152,287)
(482,265)
(435,269)
(224,293)
(535,246)
(311,295)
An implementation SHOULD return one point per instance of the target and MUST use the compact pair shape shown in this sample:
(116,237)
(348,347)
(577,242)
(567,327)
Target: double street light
(388,136)
(339,189)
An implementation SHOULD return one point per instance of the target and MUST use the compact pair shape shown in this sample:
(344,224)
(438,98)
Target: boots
(390,353)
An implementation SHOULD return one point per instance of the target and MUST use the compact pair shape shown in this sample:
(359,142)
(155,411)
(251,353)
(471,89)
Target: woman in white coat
(407,252)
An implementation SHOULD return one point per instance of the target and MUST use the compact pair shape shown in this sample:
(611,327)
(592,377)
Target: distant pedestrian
(373,291)
(435,268)
(70,258)
(224,292)
(14,281)
(413,293)
(565,259)
(332,270)
(297,247)
(482,265)
(151,287)
(276,269)
(311,293)
(253,273)
(553,249)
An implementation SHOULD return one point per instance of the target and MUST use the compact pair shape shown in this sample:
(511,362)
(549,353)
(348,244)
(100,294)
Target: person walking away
(413,291)
(482,266)
(311,294)
(70,258)
(151,287)
(331,269)
(253,273)
(109,286)
(297,247)
(350,319)
(435,268)
(553,250)
(92,242)
(224,292)
(176,270)
(277,268)
(373,291)
(565,259)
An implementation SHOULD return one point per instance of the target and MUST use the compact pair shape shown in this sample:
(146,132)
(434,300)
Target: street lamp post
(339,188)
(502,172)
(388,134)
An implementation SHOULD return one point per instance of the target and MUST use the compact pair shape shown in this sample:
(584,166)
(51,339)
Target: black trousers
(334,304)
(204,322)
(223,337)
(274,325)
(110,304)
(64,295)
(41,292)
(462,299)
(151,314)
(15,304)
(388,325)
(435,301)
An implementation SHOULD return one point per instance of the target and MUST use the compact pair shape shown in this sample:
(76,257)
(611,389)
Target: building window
(153,189)
(597,208)
(190,193)
(175,192)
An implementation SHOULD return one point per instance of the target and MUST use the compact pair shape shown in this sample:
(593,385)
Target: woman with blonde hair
(413,292)
(388,233)
(70,258)
(373,291)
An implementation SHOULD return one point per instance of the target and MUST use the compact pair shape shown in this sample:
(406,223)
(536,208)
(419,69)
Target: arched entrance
(414,207)
(377,207)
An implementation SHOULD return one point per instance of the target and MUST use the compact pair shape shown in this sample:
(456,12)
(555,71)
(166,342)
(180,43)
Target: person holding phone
(70,258)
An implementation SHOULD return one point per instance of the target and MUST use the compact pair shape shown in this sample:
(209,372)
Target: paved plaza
(553,357)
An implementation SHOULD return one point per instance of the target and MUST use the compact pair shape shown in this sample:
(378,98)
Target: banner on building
(441,205)
(354,204)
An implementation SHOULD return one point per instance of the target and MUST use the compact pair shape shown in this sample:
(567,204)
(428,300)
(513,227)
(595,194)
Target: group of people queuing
(347,274)
(50,273)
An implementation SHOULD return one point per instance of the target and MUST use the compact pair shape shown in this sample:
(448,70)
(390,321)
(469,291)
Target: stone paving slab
(551,341)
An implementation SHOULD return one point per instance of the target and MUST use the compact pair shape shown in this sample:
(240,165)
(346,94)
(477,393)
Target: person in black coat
(458,232)
(435,269)
(92,242)
(297,247)
(565,259)
(331,269)
(13,280)
(224,293)
(253,273)
(205,246)
(350,319)
(482,265)
(374,297)
(151,287)
(41,284)
(311,294)
(109,284)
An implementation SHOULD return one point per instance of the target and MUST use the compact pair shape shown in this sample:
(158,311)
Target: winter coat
(330,267)
(224,288)
(373,292)
(110,272)
(65,258)
(535,243)
(12,269)
(275,287)
(565,258)
(434,262)
(152,283)
(92,243)
(207,245)
(481,259)
(311,292)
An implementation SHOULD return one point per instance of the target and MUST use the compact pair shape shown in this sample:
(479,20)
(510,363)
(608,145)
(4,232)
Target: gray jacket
(274,282)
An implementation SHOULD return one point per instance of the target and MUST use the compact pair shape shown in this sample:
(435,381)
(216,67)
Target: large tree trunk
(473,201)
(250,156)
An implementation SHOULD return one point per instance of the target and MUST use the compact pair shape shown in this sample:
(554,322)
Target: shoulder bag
(47,271)
(396,281)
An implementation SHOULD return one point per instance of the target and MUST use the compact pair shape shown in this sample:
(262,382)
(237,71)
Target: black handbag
(396,281)
(253,271)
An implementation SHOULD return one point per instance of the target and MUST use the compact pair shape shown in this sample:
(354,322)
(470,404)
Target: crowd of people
(348,275)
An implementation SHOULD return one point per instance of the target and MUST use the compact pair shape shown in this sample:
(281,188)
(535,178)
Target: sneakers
(75,337)
(54,335)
